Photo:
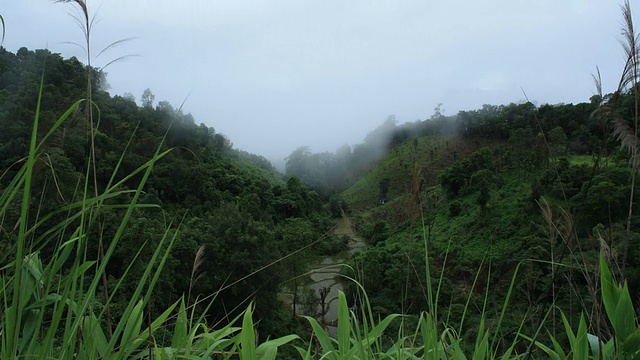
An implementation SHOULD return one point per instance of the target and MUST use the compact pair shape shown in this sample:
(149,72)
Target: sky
(274,75)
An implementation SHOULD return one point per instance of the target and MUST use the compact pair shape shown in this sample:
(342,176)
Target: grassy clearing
(582,160)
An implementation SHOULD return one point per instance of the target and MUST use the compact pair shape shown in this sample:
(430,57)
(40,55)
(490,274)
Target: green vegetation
(131,232)
(129,185)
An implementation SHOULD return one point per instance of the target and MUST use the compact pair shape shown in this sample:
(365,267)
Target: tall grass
(628,133)
(362,336)
(86,22)
(51,309)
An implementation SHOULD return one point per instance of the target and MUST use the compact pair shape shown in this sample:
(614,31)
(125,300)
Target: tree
(523,151)
(483,197)
(438,112)
(129,96)
(558,140)
(297,162)
(482,181)
(384,185)
(292,236)
(147,98)
(430,202)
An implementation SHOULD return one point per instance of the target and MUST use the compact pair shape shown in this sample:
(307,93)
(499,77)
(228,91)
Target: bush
(455,208)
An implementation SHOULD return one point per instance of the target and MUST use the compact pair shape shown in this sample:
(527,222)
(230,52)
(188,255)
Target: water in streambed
(325,273)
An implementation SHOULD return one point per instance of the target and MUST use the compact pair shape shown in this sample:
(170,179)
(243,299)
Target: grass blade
(247,337)
(609,290)
(3,29)
(344,324)
(322,336)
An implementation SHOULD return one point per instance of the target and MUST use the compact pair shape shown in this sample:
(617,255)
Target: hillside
(522,193)
(228,208)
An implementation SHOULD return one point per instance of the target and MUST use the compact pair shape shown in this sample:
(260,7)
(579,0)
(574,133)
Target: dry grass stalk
(86,24)
(197,262)
(627,134)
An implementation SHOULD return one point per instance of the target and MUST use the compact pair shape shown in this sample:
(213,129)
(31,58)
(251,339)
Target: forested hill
(228,202)
(569,128)
(515,192)
(511,192)
(524,197)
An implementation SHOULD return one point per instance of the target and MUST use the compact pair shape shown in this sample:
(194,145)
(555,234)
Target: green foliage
(226,203)
(620,311)
(625,343)
(356,339)
(338,206)
(383,185)
(332,245)
(251,232)
(558,141)
(457,177)
(53,300)
(455,208)
(400,166)
(378,232)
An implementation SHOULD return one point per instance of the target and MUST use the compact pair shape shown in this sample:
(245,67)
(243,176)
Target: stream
(325,273)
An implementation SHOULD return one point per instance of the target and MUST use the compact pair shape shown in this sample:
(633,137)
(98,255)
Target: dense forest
(544,188)
(130,231)
(513,198)
(230,203)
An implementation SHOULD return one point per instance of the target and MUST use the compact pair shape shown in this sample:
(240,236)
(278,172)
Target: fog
(280,74)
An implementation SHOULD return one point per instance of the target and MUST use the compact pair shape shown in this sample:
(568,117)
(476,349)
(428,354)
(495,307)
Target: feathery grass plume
(629,42)
(564,228)
(197,262)
(560,227)
(626,131)
(81,3)
(86,23)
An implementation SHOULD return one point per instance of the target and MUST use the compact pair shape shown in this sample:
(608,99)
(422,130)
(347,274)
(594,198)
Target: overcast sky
(274,75)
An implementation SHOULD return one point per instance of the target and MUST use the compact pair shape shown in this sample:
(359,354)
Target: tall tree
(147,98)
